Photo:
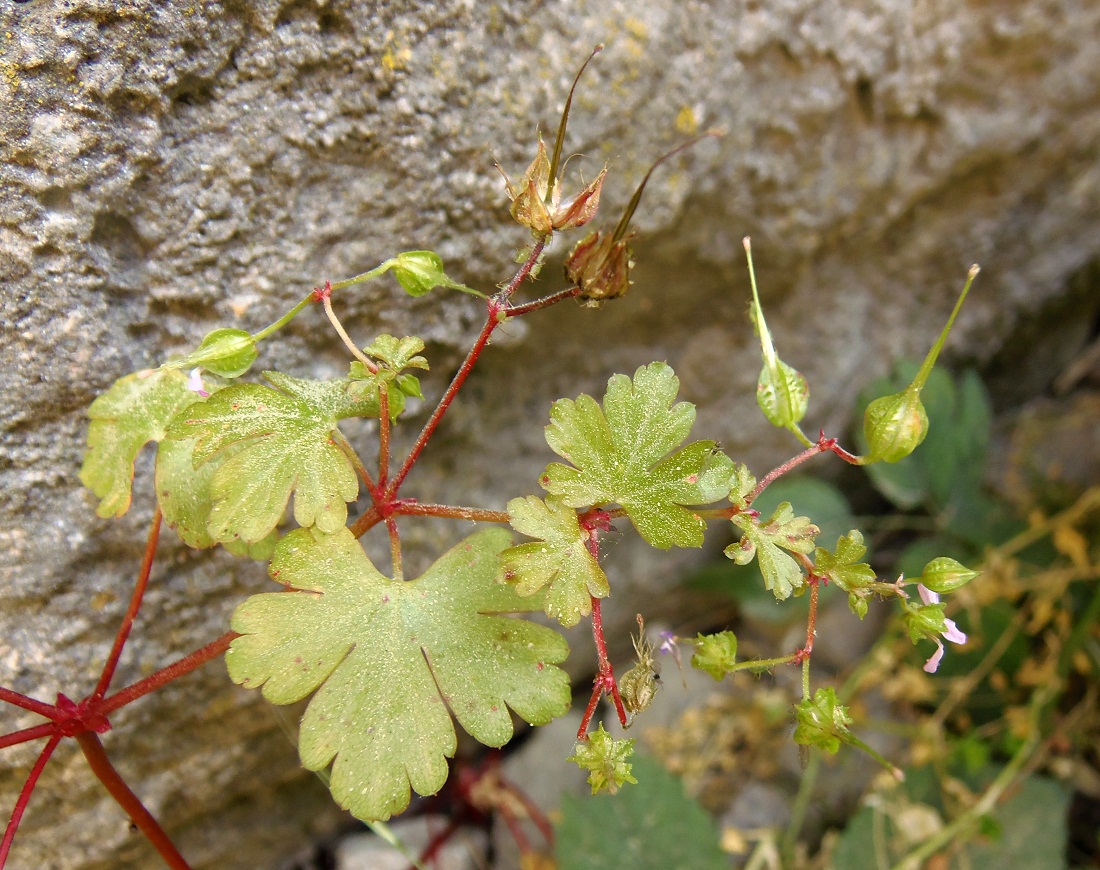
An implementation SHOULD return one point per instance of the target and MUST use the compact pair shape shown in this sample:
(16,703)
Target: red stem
(28,734)
(823,445)
(383,436)
(164,676)
(34,706)
(491,323)
(101,766)
(140,586)
(533,811)
(545,302)
(480,515)
(25,796)
(498,312)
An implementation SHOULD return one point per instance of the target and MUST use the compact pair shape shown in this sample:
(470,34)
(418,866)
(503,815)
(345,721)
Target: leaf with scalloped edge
(133,412)
(764,538)
(392,661)
(183,492)
(620,453)
(286,443)
(559,561)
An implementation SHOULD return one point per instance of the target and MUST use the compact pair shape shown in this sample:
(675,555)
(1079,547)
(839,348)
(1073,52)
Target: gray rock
(166,168)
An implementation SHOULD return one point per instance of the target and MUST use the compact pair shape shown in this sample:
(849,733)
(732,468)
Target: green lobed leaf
(766,539)
(559,562)
(133,412)
(605,759)
(287,446)
(391,662)
(620,454)
(183,492)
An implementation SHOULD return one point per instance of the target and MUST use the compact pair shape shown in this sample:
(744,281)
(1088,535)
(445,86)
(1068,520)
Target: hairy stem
(103,769)
(17,699)
(326,300)
(454,512)
(164,676)
(26,735)
(823,445)
(140,586)
(25,796)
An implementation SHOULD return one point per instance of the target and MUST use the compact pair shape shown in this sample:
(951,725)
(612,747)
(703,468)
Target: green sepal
(619,453)
(388,663)
(944,575)
(605,759)
(420,272)
(134,411)
(822,721)
(559,562)
(716,654)
(228,353)
(742,485)
(924,621)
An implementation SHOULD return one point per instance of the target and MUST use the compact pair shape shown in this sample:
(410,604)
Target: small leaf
(620,454)
(842,566)
(716,654)
(288,447)
(134,411)
(390,662)
(782,574)
(559,562)
(397,354)
(225,352)
(605,759)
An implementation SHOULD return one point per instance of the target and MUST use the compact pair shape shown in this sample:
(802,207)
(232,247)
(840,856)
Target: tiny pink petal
(933,662)
(927,595)
(195,384)
(953,634)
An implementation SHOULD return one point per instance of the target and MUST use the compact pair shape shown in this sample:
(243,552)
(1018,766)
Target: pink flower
(952,633)
(195,384)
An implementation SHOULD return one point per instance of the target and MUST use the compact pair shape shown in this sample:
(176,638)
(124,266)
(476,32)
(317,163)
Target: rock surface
(166,168)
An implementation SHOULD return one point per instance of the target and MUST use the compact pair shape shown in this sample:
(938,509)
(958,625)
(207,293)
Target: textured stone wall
(168,167)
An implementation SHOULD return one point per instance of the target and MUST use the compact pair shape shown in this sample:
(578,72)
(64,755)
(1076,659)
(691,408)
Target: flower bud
(421,271)
(944,575)
(225,352)
(894,426)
